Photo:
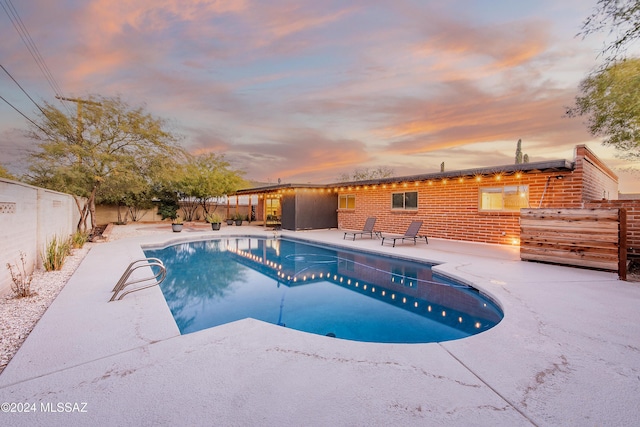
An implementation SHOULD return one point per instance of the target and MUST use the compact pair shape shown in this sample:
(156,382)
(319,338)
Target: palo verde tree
(4,173)
(610,100)
(621,19)
(103,142)
(138,186)
(203,179)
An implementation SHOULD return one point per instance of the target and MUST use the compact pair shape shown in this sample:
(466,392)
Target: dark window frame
(404,201)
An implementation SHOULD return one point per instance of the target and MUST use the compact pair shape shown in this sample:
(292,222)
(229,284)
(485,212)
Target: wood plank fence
(592,238)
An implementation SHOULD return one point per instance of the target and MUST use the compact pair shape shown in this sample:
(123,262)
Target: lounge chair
(410,234)
(367,229)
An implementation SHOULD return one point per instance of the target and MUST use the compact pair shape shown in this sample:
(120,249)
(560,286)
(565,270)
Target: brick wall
(633,220)
(598,181)
(449,208)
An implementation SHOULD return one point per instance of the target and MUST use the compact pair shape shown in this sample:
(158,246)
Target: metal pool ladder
(157,278)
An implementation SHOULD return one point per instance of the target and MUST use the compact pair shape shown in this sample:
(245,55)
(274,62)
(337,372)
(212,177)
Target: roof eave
(535,167)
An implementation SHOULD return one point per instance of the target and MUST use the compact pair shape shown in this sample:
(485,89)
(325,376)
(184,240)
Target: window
(346,201)
(407,200)
(509,198)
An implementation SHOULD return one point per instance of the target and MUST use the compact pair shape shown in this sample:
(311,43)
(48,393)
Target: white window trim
(346,198)
(502,191)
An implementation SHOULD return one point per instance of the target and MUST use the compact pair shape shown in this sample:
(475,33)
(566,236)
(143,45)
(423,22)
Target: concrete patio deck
(566,353)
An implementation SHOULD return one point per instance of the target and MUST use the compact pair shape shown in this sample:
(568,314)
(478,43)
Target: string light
(249,255)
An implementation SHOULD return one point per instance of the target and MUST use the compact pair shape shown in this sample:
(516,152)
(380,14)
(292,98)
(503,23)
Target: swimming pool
(318,289)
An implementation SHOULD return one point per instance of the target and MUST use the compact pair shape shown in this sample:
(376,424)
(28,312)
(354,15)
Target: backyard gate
(592,238)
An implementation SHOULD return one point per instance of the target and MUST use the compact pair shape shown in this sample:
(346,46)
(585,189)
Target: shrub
(213,218)
(55,253)
(21,279)
(79,239)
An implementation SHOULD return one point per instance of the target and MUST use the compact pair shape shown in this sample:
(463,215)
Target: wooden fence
(592,238)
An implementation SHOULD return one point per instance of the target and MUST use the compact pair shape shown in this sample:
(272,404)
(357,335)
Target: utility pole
(79,103)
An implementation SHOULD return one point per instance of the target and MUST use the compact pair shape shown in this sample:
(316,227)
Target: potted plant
(176,224)
(229,221)
(238,218)
(215,220)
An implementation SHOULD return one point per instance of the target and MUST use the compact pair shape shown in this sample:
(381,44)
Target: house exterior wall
(315,211)
(288,206)
(598,181)
(450,208)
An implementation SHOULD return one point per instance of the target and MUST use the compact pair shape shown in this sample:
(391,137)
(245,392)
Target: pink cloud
(508,45)
(301,154)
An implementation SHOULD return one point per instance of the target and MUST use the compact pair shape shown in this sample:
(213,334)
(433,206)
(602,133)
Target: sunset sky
(306,90)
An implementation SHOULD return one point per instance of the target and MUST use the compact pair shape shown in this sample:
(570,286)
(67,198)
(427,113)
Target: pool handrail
(123,283)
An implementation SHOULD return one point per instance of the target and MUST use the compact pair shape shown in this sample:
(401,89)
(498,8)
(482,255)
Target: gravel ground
(18,316)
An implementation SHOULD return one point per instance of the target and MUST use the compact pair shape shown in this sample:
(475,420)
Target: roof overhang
(535,167)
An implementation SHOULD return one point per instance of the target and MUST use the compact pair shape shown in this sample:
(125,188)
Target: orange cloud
(507,45)
(307,155)
(295,19)
(485,118)
(113,35)
(108,17)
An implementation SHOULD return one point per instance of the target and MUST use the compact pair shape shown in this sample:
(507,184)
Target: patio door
(273,211)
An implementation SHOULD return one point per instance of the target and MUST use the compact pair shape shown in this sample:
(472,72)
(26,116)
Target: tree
(138,187)
(611,101)
(107,139)
(4,173)
(131,190)
(204,178)
(622,18)
(363,174)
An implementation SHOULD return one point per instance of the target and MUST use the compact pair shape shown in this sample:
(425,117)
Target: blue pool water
(321,290)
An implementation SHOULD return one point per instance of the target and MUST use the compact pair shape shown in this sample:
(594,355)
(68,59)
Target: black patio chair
(410,234)
(367,229)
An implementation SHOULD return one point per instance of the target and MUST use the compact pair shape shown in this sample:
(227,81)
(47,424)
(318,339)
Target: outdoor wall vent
(7,208)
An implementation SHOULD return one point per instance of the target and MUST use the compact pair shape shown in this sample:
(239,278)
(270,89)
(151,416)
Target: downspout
(544,192)
(546,186)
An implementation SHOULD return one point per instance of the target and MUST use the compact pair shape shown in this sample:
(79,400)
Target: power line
(19,26)
(22,114)
(25,92)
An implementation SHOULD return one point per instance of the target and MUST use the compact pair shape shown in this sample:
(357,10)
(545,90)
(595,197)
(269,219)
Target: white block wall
(29,218)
